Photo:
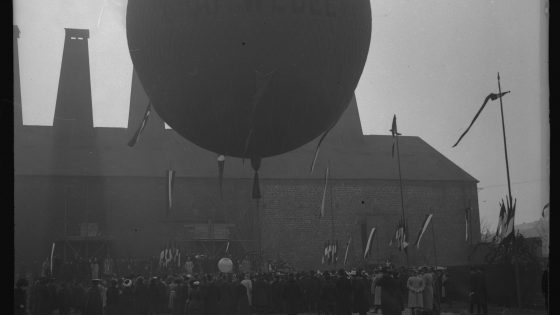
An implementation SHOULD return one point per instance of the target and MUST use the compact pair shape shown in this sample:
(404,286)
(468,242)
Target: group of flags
(170,256)
(506,219)
(330,254)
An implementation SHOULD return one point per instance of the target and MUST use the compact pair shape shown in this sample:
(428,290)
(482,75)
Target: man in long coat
(94,304)
(327,295)
(391,300)
(360,290)
(292,295)
(343,294)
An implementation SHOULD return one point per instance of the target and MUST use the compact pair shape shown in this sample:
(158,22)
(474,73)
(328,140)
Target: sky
(431,62)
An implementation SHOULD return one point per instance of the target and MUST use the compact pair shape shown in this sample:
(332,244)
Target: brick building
(76,184)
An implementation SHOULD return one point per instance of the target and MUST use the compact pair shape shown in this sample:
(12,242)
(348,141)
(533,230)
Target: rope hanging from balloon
(256,164)
(221,162)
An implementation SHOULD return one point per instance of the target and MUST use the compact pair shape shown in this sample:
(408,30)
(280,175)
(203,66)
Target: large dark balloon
(249,78)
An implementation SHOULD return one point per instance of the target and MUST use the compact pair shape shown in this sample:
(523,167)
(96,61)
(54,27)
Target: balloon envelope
(225,265)
(249,78)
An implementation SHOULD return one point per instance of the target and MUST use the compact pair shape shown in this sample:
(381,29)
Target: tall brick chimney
(18,115)
(73,118)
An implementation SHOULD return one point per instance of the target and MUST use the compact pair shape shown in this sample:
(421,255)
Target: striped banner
(369,243)
(136,136)
(322,213)
(170,181)
(423,229)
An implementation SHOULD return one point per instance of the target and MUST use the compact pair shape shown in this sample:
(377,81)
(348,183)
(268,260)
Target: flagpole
(505,143)
(400,182)
(516,264)
(332,210)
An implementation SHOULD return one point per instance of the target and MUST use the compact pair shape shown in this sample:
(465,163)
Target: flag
(369,243)
(545,207)
(394,133)
(52,254)
(347,247)
(162,258)
(423,229)
(492,97)
(501,221)
(336,252)
(508,227)
(467,224)
(136,136)
(401,236)
(221,161)
(170,180)
(322,213)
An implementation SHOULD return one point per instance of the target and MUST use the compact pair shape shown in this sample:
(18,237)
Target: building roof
(350,154)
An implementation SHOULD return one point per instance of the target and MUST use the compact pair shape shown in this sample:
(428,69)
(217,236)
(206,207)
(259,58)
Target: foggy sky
(431,62)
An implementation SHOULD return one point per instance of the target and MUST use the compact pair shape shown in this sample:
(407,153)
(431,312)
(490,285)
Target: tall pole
(65,219)
(515,262)
(434,236)
(401,185)
(332,209)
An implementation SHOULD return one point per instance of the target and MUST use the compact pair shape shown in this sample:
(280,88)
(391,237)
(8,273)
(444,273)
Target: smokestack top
(16,31)
(77,33)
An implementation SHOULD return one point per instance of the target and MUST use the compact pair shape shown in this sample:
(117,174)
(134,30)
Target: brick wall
(132,211)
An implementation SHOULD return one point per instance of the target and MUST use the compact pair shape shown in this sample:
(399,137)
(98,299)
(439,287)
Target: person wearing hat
(376,289)
(292,296)
(94,304)
(343,294)
(391,297)
(195,302)
(360,290)
(20,297)
(415,286)
(428,292)
(141,297)
(327,295)
(126,298)
(112,301)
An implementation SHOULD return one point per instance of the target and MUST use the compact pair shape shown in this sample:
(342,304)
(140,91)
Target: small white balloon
(225,265)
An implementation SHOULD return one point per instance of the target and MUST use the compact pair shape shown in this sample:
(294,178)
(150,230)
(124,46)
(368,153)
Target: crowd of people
(386,289)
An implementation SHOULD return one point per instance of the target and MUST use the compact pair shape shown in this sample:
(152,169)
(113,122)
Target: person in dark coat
(544,287)
(276,295)
(226,297)
(64,298)
(474,298)
(327,295)
(126,298)
(41,304)
(343,294)
(360,291)
(112,302)
(154,297)
(181,294)
(141,297)
(94,304)
(195,302)
(482,292)
(313,293)
(20,297)
(292,296)
(211,297)
(241,299)
(391,301)
(260,299)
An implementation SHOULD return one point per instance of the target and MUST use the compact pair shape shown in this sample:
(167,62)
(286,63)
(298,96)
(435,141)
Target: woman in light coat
(415,286)
(376,291)
(428,293)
